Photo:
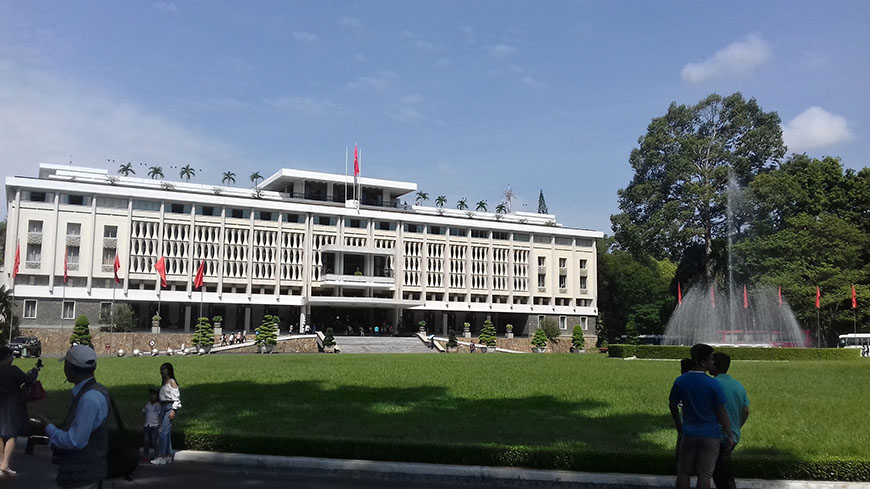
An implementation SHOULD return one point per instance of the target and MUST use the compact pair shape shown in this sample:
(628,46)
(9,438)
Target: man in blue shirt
(737,406)
(81,443)
(703,404)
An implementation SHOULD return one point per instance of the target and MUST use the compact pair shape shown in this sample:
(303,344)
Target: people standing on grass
(150,422)
(81,443)
(13,413)
(699,428)
(737,406)
(170,400)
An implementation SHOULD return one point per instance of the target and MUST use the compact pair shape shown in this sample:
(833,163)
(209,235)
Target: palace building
(300,245)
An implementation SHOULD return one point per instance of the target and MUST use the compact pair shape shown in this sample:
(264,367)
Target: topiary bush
(328,338)
(487,334)
(81,332)
(204,335)
(551,328)
(451,339)
(267,332)
(578,341)
(539,340)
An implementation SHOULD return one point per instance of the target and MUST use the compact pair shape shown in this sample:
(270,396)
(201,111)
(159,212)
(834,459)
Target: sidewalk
(465,474)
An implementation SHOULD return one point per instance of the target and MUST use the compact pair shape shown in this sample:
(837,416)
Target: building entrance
(353,321)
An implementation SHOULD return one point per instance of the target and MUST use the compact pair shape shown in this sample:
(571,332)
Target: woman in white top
(170,399)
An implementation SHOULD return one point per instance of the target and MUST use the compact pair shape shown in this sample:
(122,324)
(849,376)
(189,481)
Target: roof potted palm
(487,337)
(500,211)
(421,197)
(480,206)
(203,339)
(539,341)
(439,203)
(267,334)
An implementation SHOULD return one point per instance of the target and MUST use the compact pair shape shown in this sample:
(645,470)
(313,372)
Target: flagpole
(201,293)
(12,311)
(818,337)
(112,311)
(345,173)
(358,184)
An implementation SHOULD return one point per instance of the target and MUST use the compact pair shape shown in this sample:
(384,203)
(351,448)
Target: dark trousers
(723,474)
(149,441)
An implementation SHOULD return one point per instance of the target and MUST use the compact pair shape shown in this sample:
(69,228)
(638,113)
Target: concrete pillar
(187,318)
(397,313)
(444,323)
(247,318)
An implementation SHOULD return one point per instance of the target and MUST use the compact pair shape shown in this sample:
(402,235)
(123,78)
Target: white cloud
(306,105)
(350,23)
(48,119)
(815,128)
(168,7)
(502,51)
(408,109)
(531,81)
(737,58)
(378,81)
(305,37)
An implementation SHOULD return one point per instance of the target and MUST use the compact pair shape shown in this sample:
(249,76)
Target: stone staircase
(381,344)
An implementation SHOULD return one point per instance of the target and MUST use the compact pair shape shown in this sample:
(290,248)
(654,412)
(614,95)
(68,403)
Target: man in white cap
(81,442)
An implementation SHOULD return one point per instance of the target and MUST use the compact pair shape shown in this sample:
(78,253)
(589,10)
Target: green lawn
(581,412)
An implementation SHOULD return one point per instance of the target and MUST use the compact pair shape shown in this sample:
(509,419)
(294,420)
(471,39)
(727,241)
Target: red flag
(17,260)
(117,266)
(160,266)
(854,298)
(779,294)
(745,298)
(65,256)
(713,295)
(355,162)
(818,297)
(198,280)
(679,294)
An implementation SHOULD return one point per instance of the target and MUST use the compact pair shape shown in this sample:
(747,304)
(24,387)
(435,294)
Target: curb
(480,473)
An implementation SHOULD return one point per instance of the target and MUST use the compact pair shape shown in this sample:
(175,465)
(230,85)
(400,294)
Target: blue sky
(464,98)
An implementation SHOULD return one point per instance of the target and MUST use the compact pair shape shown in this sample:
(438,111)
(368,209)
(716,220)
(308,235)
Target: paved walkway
(381,344)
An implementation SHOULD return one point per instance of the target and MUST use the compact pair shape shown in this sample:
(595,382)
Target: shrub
(577,338)
(204,335)
(487,334)
(328,338)
(81,332)
(736,353)
(267,332)
(539,340)
(124,319)
(451,339)
(551,328)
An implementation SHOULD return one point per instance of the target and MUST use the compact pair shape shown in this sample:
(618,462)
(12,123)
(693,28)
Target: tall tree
(681,173)
(542,204)
(126,169)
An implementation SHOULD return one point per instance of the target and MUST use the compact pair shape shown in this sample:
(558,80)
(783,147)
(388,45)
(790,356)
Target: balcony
(362,250)
(74,240)
(358,281)
(542,268)
(583,272)
(542,290)
(563,270)
(34,238)
(108,268)
(72,267)
(110,242)
(32,265)
(583,292)
(563,290)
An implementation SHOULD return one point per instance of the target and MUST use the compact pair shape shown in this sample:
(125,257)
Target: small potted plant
(218,325)
(539,341)
(578,341)
(267,334)
(422,325)
(487,337)
(203,339)
(451,340)
(509,331)
(466,330)
(155,323)
(329,341)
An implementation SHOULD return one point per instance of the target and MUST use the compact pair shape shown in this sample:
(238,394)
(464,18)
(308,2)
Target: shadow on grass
(430,424)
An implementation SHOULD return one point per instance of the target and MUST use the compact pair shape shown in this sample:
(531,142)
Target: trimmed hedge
(780,466)
(736,353)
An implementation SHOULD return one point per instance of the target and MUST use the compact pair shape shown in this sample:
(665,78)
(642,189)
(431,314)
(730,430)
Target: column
(187,318)
(444,323)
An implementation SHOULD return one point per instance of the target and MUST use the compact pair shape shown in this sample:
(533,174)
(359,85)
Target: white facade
(292,246)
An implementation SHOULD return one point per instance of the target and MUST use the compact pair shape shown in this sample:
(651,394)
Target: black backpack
(123,457)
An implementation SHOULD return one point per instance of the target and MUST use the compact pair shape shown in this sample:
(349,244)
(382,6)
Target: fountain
(739,315)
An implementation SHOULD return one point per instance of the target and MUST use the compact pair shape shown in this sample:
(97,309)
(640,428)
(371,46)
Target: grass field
(579,412)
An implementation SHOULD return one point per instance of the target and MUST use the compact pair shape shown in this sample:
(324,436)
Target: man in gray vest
(81,442)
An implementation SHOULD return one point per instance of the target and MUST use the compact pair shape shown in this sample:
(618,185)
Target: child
(151,420)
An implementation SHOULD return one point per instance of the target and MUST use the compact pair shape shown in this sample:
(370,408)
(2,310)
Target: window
(563,322)
(355,223)
(29,309)
(582,282)
(563,262)
(34,226)
(479,233)
(542,261)
(458,232)
(72,256)
(108,257)
(34,254)
(540,320)
(563,281)
(238,213)
(293,218)
(584,322)
(542,280)
(36,196)
(110,231)
(207,210)
(179,208)
(542,239)
(521,237)
(582,264)
(564,241)
(76,200)
(500,235)
(437,230)
(69,310)
(266,216)
(324,220)
(146,205)
(584,242)
(385,226)
(105,312)
(109,203)
(413,228)
(73,229)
